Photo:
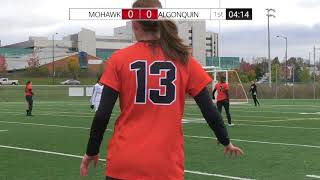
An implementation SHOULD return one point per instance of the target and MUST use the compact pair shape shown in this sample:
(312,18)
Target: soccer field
(281,140)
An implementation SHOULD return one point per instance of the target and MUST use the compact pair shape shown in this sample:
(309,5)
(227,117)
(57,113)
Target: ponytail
(170,42)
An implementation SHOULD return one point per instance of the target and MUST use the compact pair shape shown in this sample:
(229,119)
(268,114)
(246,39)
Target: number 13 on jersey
(143,71)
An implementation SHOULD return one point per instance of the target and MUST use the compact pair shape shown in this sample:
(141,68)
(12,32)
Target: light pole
(309,58)
(286,56)
(53,70)
(269,59)
(314,71)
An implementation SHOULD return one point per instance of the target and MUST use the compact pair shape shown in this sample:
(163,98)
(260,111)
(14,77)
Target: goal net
(237,92)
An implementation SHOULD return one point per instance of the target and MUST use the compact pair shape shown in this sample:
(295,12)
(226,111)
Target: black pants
(254,97)
(30,103)
(225,104)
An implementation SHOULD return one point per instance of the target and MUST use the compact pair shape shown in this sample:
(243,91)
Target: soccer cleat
(230,124)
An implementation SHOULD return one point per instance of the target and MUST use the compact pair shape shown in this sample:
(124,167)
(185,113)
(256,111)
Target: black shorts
(29,99)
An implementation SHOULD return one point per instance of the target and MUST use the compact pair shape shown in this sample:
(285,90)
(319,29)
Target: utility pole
(269,59)
(293,81)
(286,56)
(53,68)
(314,71)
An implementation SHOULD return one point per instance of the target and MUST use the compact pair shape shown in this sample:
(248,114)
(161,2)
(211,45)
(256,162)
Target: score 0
(130,14)
(148,14)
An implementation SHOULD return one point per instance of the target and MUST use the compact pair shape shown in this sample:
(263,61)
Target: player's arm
(227,94)
(214,119)
(93,97)
(31,92)
(98,127)
(226,91)
(214,91)
(101,120)
(212,116)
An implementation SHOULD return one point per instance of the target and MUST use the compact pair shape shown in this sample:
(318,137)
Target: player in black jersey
(253,91)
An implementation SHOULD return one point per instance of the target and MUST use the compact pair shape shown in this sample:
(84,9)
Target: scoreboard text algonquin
(160,14)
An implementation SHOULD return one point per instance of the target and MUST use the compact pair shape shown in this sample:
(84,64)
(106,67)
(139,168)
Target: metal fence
(289,91)
(62,93)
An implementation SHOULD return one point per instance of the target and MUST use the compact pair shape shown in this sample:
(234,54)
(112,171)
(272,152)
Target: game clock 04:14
(239,14)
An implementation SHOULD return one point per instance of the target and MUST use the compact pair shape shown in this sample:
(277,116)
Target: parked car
(6,81)
(70,82)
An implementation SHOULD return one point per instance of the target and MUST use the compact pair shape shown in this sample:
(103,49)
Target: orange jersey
(28,90)
(222,88)
(147,142)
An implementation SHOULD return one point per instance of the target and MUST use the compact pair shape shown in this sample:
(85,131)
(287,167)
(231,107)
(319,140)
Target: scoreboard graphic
(160,14)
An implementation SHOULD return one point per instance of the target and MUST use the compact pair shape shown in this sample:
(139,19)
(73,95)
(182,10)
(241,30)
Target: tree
(3,65)
(259,71)
(251,75)
(275,72)
(74,66)
(276,61)
(33,61)
(244,66)
(244,78)
(304,75)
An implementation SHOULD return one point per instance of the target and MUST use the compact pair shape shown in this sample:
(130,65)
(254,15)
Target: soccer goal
(237,92)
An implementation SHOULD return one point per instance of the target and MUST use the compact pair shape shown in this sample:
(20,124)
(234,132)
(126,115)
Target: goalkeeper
(253,90)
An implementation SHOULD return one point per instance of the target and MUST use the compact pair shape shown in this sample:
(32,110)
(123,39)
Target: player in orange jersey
(29,94)
(152,78)
(222,88)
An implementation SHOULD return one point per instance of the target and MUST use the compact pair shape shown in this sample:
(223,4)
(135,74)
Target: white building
(204,44)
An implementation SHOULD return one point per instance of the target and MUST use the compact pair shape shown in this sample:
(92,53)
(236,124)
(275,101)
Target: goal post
(237,92)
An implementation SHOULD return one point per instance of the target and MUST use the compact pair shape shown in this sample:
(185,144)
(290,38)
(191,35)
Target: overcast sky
(297,19)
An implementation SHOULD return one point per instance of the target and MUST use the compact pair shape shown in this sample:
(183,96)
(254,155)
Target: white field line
(216,175)
(265,117)
(200,137)
(91,116)
(80,157)
(299,113)
(49,125)
(253,125)
(314,113)
(83,103)
(55,114)
(71,114)
(259,142)
(287,106)
(313,176)
(200,120)
(3,130)
(285,127)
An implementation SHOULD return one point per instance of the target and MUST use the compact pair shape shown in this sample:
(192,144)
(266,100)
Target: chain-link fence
(237,92)
(287,91)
